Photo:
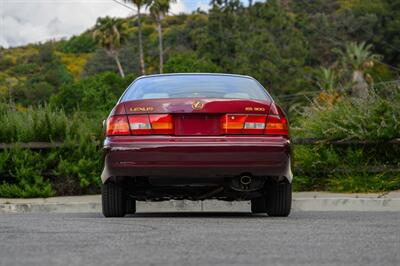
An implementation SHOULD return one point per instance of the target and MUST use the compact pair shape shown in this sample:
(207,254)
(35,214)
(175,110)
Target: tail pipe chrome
(246,182)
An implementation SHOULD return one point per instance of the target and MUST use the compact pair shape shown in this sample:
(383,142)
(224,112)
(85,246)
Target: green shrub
(347,167)
(82,162)
(38,93)
(46,124)
(95,94)
(83,43)
(349,182)
(73,168)
(26,69)
(5,62)
(20,172)
(377,118)
(364,182)
(40,124)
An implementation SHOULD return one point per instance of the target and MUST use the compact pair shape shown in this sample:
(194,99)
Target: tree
(158,9)
(359,57)
(139,4)
(188,62)
(266,44)
(96,93)
(222,29)
(83,43)
(327,79)
(110,32)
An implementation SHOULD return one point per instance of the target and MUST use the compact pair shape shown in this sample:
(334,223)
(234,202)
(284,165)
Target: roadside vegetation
(333,65)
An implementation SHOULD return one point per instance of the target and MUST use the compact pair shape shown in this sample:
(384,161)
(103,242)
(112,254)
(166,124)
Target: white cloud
(26,21)
(177,7)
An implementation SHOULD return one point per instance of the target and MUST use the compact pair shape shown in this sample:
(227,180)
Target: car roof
(195,74)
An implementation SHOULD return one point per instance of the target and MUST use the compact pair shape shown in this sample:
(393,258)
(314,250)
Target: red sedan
(196,137)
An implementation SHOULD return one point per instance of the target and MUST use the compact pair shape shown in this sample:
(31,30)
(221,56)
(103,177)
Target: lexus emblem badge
(197,105)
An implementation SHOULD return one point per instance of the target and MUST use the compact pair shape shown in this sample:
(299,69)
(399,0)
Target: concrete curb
(300,203)
(347,204)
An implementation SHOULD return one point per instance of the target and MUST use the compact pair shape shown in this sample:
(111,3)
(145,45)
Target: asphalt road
(307,238)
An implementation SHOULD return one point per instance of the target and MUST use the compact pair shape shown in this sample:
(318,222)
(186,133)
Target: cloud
(27,21)
(189,5)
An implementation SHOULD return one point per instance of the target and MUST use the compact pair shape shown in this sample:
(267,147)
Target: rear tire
(279,199)
(113,200)
(130,206)
(258,205)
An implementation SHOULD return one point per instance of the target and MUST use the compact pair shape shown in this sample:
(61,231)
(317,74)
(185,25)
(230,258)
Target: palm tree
(327,81)
(359,57)
(139,4)
(158,10)
(109,33)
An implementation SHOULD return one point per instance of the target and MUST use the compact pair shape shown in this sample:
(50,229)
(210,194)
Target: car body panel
(185,105)
(198,150)
(171,156)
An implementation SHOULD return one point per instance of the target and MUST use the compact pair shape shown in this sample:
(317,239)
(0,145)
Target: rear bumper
(211,156)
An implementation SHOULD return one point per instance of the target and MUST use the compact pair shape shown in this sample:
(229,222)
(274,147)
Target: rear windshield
(193,86)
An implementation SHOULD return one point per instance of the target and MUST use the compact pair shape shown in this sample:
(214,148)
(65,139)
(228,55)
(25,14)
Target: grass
(344,168)
(376,118)
(350,183)
(72,169)
(46,124)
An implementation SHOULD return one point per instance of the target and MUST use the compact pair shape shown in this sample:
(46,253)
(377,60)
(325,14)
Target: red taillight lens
(162,124)
(255,124)
(277,125)
(233,124)
(117,125)
(151,124)
(139,124)
(243,124)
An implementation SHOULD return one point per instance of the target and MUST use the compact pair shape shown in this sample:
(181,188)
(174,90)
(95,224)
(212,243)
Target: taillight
(117,125)
(255,124)
(243,124)
(162,124)
(139,124)
(273,124)
(233,124)
(276,123)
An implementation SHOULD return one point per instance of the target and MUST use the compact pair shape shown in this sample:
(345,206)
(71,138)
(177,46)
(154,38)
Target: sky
(31,21)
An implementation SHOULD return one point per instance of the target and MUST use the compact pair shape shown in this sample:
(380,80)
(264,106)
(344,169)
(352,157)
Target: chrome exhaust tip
(246,183)
(245,180)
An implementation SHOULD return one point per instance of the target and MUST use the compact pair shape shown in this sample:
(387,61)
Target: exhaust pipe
(246,183)
(245,180)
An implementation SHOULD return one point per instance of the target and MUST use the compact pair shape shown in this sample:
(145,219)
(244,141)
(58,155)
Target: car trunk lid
(197,116)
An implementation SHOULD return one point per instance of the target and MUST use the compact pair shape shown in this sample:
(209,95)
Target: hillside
(283,48)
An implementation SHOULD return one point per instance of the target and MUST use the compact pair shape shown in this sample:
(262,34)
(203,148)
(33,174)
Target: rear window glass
(195,86)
